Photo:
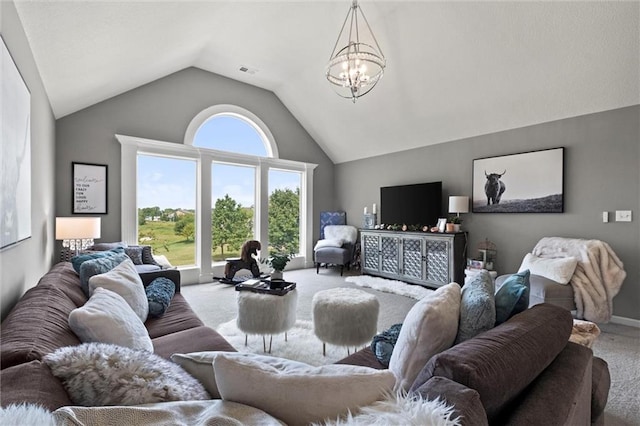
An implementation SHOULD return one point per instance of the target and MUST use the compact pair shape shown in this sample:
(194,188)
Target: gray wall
(162,110)
(601,174)
(21,265)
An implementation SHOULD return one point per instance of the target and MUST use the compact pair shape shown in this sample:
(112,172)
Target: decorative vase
(451,227)
(276,275)
(456,227)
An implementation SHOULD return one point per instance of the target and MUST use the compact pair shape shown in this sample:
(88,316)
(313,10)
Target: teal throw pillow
(159,293)
(512,297)
(477,307)
(78,260)
(97,266)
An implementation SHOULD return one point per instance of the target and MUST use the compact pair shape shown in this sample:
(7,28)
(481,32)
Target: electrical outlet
(605,217)
(623,215)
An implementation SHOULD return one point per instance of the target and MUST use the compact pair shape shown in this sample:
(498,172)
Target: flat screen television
(415,204)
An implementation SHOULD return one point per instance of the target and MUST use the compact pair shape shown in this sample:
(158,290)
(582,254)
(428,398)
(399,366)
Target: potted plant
(278,262)
(453,224)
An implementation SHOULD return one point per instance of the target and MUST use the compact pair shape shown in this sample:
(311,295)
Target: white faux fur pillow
(296,393)
(559,269)
(97,374)
(107,318)
(429,328)
(329,242)
(124,280)
(346,233)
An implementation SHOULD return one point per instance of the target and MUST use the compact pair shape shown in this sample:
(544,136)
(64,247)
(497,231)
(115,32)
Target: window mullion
(204,206)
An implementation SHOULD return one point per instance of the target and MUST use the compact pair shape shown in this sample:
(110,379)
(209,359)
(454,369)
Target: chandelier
(356,68)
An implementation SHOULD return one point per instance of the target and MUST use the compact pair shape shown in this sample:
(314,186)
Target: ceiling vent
(248,70)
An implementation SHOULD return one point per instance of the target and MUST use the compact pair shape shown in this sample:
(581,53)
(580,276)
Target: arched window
(232,129)
(237,178)
(228,133)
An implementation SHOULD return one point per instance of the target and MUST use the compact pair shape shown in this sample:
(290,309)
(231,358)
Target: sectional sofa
(523,371)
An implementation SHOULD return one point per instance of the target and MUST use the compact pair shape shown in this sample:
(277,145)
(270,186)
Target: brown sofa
(523,371)
(37,325)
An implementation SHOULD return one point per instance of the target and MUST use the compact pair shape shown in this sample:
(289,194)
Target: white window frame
(131,146)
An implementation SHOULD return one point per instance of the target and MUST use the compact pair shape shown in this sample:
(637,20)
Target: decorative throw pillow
(147,255)
(97,266)
(159,294)
(162,260)
(559,270)
(429,328)
(383,343)
(477,306)
(108,246)
(77,261)
(107,318)
(297,393)
(124,280)
(329,242)
(200,366)
(97,374)
(512,297)
(135,254)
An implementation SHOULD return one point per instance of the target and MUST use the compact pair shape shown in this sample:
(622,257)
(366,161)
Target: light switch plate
(623,215)
(605,217)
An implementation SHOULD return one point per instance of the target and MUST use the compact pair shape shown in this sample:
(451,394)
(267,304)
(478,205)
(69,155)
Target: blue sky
(171,183)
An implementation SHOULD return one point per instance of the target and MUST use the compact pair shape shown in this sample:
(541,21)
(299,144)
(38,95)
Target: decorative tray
(266,286)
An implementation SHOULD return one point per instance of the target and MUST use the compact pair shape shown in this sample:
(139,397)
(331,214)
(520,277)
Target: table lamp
(458,204)
(77,233)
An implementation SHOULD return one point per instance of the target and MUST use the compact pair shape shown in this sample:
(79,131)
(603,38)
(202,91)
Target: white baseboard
(625,321)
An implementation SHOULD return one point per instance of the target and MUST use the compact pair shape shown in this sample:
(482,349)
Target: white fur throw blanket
(597,278)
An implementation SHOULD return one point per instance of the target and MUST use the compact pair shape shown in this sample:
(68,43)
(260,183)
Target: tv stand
(430,259)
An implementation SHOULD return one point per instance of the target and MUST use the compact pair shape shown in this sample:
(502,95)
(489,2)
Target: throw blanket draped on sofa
(597,278)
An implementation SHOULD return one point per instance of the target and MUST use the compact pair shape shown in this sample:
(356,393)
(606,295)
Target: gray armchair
(337,247)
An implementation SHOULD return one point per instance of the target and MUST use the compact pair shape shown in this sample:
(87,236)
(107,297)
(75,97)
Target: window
(167,207)
(227,171)
(228,133)
(233,198)
(284,211)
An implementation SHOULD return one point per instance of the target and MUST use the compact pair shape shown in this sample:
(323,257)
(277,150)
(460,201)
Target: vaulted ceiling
(454,69)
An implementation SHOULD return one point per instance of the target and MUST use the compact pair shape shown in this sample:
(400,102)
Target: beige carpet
(619,345)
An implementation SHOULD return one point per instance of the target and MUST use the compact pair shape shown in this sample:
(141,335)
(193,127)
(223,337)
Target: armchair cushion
(329,242)
(347,233)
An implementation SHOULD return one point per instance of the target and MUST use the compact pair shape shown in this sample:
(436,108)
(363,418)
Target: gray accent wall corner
(601,174)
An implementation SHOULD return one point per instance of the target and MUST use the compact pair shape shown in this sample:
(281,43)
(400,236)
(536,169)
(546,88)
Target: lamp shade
(75,228)
(458,204)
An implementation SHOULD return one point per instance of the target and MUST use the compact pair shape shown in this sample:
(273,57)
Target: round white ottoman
(345,317)
(266,314)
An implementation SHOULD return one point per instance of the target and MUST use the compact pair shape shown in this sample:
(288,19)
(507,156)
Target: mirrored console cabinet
(425,258)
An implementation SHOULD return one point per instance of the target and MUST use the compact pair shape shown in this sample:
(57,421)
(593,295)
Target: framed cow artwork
(529,182)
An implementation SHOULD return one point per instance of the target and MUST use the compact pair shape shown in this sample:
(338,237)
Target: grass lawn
(176,248)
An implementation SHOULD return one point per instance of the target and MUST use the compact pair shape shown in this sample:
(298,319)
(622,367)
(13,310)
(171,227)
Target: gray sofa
(522,372)
(38,325)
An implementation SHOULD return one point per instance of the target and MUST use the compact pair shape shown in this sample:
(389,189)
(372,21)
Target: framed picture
(442,224)
(89,188)
(530,182)
(15,153)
